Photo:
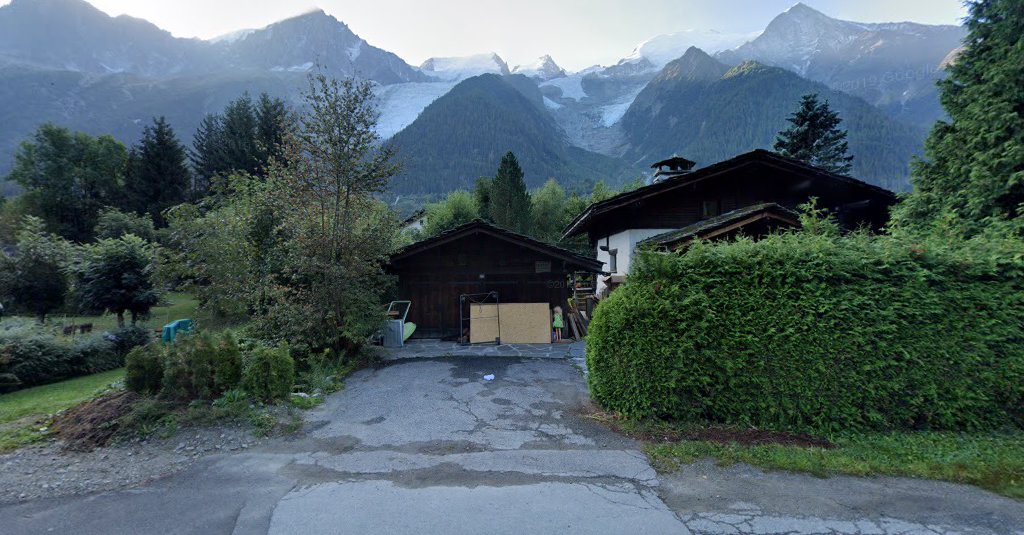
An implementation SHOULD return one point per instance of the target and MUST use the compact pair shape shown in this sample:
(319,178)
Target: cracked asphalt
(429,446)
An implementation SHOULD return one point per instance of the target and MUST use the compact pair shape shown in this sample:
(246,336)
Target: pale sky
(577,33)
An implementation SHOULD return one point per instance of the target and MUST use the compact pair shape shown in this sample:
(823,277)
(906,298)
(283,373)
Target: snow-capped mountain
(65,61)
(459,68)
(658,51)
(543,69)
(891,65)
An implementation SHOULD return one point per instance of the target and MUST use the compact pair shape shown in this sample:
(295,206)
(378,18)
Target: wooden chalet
(749,194)
(478,258)
(755,221)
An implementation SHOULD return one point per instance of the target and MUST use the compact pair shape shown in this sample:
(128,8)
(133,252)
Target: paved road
(428,446)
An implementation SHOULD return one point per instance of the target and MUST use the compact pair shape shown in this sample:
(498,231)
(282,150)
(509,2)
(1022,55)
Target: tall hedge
(818,333)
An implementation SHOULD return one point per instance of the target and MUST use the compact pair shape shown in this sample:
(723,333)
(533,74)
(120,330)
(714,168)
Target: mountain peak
(462,67)
(661,49)
(694,65)
(543,69)
(752,67)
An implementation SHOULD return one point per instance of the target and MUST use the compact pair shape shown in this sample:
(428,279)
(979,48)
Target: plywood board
(521,323)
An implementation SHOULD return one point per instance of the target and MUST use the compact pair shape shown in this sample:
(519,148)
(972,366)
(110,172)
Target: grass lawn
(19,410)
(173,306)
(990,461)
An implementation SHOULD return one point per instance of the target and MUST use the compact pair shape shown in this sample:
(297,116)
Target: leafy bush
(31,356)
(38,359)
(97,355)
(128,338)
(814,332)
(269,373)
(144,369)
(199,367)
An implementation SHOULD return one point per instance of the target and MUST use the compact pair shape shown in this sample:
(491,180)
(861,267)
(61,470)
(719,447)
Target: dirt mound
(92,424)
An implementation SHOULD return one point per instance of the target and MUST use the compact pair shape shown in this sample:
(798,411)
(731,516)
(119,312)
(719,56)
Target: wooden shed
(478,258)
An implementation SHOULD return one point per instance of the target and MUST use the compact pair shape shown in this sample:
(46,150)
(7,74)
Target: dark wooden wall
(435,278)
(752,184)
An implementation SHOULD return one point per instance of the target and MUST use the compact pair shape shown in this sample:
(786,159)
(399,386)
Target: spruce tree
(272,123)
(238,141)
(482,194)
(814,137)
(205,155)
(245,137)
(509,200)
(973,174)
(159,177)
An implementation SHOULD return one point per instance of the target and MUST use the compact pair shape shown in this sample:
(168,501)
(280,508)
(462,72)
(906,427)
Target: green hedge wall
(32,356)
(817,333)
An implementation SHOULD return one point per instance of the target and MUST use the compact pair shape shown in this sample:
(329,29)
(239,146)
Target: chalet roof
(479,226)
(675,161)
(759,156)
(724,223)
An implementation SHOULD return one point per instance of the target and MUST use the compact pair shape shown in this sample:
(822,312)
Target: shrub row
(30,358)
(202,367)
(818,333)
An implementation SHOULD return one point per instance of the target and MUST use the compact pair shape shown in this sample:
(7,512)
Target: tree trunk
(135,318)
(120,318)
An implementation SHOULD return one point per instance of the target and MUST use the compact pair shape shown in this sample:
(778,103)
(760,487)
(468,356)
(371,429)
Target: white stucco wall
(625,242)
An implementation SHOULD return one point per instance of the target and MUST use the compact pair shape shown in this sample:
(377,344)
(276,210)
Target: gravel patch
(46,471)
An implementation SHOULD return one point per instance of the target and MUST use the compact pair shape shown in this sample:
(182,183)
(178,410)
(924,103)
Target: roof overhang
(723,224)
(478,226)
(584,221)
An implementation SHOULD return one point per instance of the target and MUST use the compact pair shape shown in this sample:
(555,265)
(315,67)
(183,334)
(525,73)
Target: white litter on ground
(489,377)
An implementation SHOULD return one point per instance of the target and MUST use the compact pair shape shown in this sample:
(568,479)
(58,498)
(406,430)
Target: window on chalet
(710,209)
(613,260)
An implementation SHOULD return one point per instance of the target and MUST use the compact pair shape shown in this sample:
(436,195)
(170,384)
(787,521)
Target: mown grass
(20,411)
(173,306)
(44,400)
(991,461)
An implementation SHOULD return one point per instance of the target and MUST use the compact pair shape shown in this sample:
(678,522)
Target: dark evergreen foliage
(158,177)
(243,138)
(509,201)
(974,171)
(814,137)
(817,332)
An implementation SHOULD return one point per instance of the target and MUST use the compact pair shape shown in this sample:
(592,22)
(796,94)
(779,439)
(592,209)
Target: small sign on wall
(542,266)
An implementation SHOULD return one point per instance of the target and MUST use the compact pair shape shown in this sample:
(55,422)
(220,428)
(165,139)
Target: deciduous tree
(116,274)
(35,275)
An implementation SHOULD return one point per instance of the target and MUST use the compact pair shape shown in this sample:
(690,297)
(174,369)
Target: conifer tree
(159,177)
(272,122)
(243,138)
(205,156)
(509,200)
(814,137)
(973,174)
(482,194)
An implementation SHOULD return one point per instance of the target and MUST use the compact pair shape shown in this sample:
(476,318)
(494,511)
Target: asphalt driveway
(429,446)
